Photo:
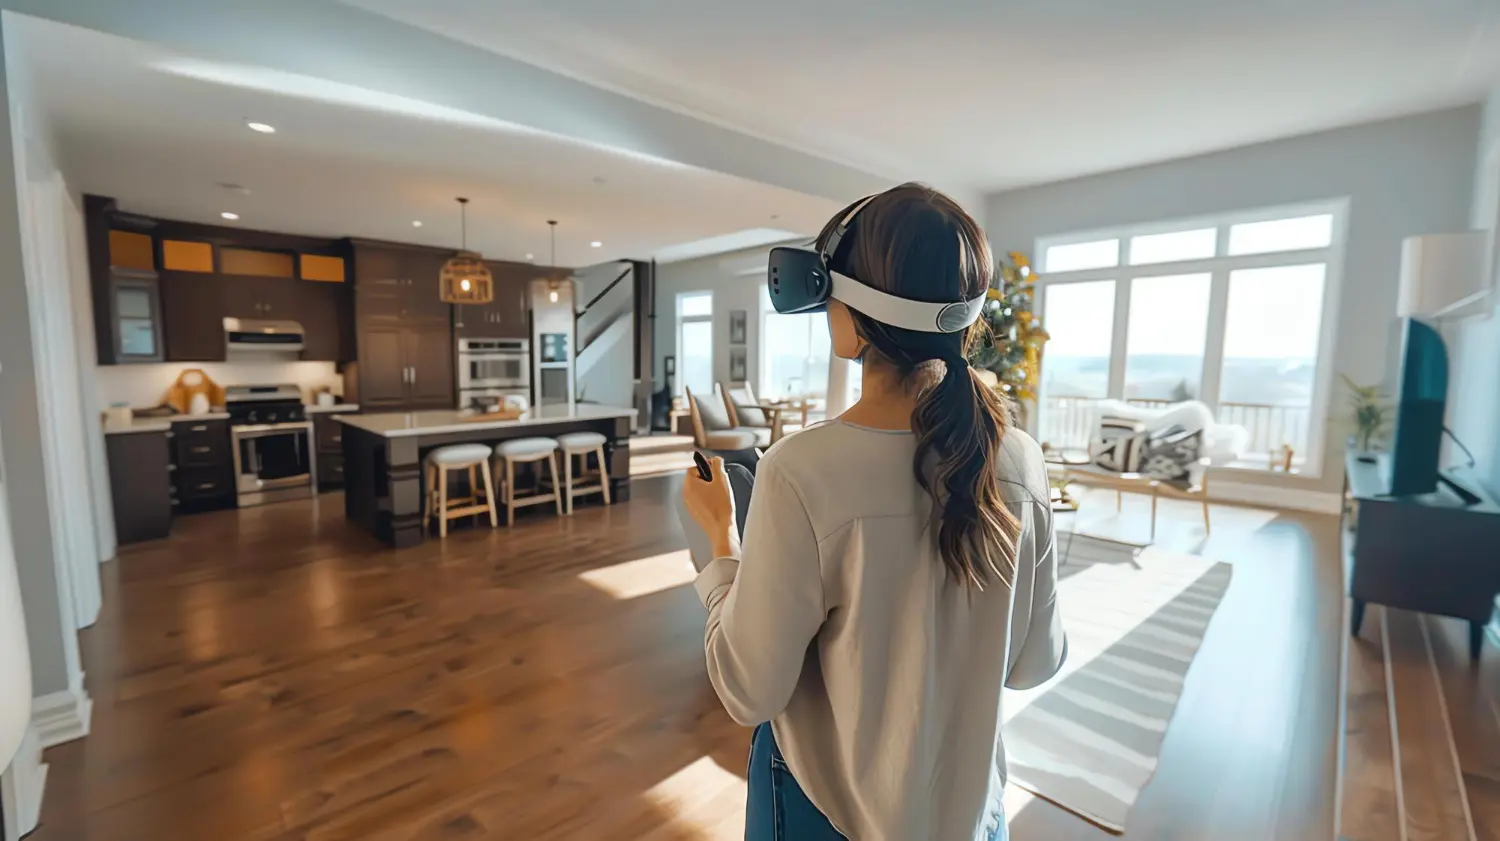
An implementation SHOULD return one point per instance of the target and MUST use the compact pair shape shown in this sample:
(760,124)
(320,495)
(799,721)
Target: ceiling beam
(328,40)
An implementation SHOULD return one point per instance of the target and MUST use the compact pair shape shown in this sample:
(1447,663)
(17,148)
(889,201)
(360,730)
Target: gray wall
(1403,177)
(1474,345)
(722,275)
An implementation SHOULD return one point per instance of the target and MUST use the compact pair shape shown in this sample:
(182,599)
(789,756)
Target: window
(794,353)
(1165,340)
(1230,311)
(695,342)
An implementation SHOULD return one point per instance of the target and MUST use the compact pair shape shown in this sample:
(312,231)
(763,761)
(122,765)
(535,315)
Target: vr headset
(799,280)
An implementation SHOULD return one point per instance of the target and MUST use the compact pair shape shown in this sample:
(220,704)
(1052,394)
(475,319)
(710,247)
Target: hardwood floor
(1423,732)
(273,674)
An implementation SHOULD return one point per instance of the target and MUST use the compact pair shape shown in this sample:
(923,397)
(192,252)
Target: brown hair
(914,242)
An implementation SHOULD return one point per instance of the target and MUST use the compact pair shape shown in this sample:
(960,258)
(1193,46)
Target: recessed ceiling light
(230,216)
(531,256)
(263,128)
(416,223)
(595,244)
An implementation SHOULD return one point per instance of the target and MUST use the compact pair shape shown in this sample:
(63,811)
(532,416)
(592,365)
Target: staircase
(604,369)
(1421,732)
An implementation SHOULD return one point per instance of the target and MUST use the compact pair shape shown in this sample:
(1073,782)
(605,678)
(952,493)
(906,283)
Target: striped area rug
(1089,739)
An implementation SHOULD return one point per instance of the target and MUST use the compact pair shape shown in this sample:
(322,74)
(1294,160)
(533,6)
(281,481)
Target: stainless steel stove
(273,444)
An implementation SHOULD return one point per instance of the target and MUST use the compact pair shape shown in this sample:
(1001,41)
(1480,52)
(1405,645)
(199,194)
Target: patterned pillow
(1170,453)
(1118,445)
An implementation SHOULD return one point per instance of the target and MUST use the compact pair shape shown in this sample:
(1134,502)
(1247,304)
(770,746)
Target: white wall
(606,368)
(42,444)
(1474,345)
(725,276)
(1403,177)
(142,386)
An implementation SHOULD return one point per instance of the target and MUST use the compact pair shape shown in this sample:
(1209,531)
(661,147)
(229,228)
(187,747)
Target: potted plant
(1370,413)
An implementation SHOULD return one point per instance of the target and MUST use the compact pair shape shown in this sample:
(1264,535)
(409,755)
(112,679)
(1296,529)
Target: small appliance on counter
(272,443)
(194,393)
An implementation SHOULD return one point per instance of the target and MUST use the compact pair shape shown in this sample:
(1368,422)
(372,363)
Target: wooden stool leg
(1207,529)
(489,492)
(603,474)
(1153,515)
(431,482)
(510,493)
(556,487)
(1119,502)
(568,479)
(442,501)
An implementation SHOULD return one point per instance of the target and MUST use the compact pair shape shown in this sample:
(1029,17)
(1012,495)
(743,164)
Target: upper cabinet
(162,289)
(505,316)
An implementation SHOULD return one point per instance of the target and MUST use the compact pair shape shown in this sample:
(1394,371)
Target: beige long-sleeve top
(881,676)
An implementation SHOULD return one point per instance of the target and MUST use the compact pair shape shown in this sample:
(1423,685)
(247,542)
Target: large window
(1231,311)
(695,342)
(794,353)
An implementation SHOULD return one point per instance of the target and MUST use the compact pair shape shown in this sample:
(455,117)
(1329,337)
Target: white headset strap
(921,316)
(838,233)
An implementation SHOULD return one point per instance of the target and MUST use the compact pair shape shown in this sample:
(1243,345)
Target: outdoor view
(795,357)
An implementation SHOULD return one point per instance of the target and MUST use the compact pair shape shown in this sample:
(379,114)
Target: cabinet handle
(171,467)
(413,375)
(204,486)
(201,449)
(337,438)
(171,434)
(175,503)
(202,427)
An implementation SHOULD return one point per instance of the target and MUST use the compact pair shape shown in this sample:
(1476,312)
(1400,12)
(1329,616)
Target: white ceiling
(993,95)
(160,131)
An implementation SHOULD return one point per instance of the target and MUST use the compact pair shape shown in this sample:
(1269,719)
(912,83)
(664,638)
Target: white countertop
(401,424)
(313,408)
(161,424)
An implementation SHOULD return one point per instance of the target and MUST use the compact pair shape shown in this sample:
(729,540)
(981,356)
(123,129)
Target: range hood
(245,335)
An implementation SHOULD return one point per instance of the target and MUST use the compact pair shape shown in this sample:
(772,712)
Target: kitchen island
(383,453)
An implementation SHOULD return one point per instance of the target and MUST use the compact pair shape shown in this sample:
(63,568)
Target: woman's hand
(712,506)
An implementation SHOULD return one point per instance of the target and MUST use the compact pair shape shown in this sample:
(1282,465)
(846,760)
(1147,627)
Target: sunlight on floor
(704,800)
(642,577)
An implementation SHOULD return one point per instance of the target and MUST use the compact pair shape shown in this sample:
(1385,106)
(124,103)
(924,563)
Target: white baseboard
(1275,496)
(21,787)
(61,716)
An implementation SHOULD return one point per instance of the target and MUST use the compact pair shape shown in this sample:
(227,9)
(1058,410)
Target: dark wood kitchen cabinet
(202,465)
(192,307)
(505,317)
(404,329)
(140,484)
(406,368)
(328,437)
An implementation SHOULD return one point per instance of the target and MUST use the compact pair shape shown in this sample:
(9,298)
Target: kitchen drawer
(330,470)
(201,443)
(202,483)
(329,433)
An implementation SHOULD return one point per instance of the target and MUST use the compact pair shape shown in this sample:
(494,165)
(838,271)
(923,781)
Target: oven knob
(251,417)
(270,417)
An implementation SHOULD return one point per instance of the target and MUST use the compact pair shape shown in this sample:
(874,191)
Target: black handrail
(612,284)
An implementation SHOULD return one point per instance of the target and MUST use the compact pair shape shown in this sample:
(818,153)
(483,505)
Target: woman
(897,566)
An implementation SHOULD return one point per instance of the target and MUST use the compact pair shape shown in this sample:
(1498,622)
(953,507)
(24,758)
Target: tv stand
(1431,553)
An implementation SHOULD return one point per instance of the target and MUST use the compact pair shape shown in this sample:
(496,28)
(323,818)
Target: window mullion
(1213,346)
(1118,339)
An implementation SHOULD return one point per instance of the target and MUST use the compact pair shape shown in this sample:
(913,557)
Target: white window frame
(693,319)
(1219,268)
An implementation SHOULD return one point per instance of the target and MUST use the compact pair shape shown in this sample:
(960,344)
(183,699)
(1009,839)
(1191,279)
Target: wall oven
(492,366)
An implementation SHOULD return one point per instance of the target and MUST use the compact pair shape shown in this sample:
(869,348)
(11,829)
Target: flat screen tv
(1418,382)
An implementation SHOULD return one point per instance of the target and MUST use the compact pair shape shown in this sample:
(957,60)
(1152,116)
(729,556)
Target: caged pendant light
(465,279)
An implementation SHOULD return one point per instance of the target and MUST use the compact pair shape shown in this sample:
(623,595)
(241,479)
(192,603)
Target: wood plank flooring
(273,674)
(1422,753)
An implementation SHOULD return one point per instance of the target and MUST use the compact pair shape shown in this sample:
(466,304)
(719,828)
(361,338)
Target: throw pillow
(1118,445)
(1170,454)
(712,413)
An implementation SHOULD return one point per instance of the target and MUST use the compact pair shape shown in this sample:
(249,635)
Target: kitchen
(245,367)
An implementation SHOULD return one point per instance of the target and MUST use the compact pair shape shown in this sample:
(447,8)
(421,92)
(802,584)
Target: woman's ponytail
(917,243)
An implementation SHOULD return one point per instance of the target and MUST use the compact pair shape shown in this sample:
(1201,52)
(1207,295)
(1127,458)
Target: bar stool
(524,451)
(582,445)
(470,457)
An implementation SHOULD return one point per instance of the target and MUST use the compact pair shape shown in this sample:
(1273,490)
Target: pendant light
(465,279)
(552,281)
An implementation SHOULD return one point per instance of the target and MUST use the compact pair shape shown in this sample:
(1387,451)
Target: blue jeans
(775,807)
